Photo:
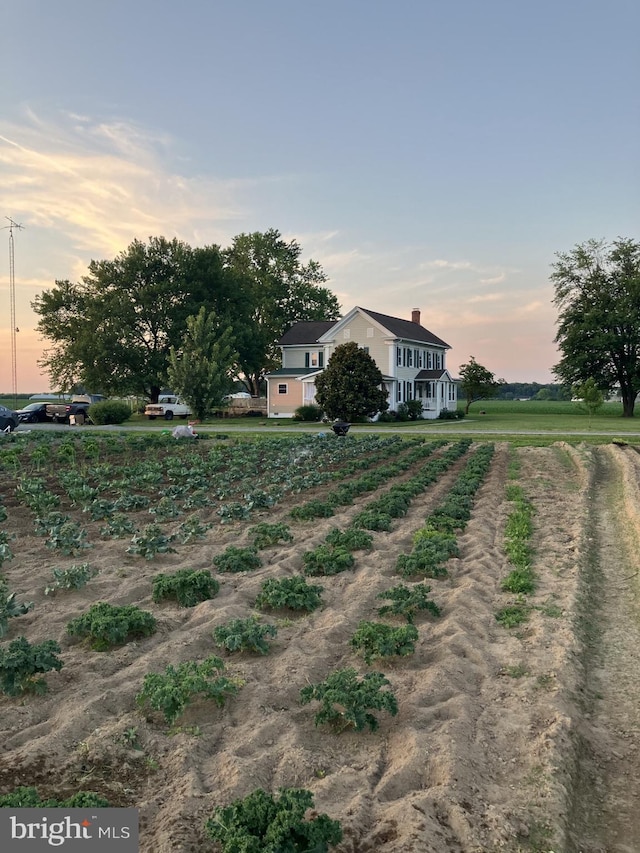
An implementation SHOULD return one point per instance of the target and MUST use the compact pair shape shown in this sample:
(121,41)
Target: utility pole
(12,298)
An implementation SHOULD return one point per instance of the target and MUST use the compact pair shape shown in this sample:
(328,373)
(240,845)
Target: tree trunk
(628,401)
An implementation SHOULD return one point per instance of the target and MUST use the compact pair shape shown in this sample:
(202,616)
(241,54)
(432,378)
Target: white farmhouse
(412,361)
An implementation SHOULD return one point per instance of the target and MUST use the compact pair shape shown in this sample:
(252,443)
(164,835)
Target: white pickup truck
(168,407)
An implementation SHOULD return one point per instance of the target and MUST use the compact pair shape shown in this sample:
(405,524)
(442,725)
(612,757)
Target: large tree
(202,370)
(597,291)
(477,383)
(351,386)
(281,291)
(113,331)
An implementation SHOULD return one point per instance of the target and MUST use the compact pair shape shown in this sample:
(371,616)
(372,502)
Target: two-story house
(410,358)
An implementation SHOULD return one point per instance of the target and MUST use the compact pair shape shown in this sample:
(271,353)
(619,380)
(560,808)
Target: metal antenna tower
(12,298)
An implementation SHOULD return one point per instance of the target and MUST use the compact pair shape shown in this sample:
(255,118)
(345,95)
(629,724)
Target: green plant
(5,551)
(312,509)
(28,798)
(371,519)
(520,581)
(191,529)
(518,670)
(327,560)
(20,663)
(260,823)
(117,527)
(308,413)
(235,559)
(244,635)
(150,541)
(109,412)
(407,601)
(351,539)
(293,593)
(75,577)
(263,535)
(376,640)
(346,699)
(171,691)
(68,538)
(187,586)
(512,615)
(109,625)
(165,508)
(9,607)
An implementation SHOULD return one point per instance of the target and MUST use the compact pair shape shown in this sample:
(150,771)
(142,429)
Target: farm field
(521,738)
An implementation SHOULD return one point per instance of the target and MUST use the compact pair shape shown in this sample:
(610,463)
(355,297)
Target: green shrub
(109,412)
(407,601)
(371,519)
(69,538)
(520,581)
(262,824)
(308,413)
(244,635)
(346,700)
(109,625)
(20,663)
(187,586)
(327,560)
(312,509)
(376,640)
(235,559)
(171,691)
(293,593)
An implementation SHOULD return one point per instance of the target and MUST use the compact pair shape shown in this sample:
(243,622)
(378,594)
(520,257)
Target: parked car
(33,413)
(9,419)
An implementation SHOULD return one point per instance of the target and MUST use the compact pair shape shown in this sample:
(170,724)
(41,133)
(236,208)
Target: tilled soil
(521,739)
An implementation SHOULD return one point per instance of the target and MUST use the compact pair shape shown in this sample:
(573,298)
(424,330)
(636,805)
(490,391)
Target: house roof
(305,333)
(406,329)
(432,375)
(293,371)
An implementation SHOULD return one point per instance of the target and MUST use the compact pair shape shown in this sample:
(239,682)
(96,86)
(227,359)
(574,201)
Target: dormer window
(314,358)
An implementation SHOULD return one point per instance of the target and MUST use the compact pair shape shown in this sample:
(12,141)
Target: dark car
(9,419)
(33,413)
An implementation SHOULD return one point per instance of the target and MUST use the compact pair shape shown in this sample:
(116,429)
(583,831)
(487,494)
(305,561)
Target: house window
(452,395)
(438,365)
(398,356)
(370,332)
(429,360)
(415,358)
(420,364)
(282,388)
(399,394)
(314,359)
(429,389)
(365,349)
(409,358)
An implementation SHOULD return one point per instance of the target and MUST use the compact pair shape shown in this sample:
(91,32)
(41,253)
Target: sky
(431,154)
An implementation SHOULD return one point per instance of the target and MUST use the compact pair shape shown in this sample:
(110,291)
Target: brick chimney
(415,316)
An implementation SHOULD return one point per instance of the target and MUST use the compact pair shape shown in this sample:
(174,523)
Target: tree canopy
(477,383)
(114,330)
(351,385)
(597,291)
(281,291)
(202,370)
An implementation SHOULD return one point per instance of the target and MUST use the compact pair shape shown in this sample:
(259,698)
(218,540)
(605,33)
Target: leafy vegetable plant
(347,700)
(264,535)
(376,640)
(327,560)
(261,823)
(187,586)
(171,691)
(9,607)
(20,664)
(235,559)
(69,538)
(28,798)
(407,601)
(109,625)
(244,635)
(293,593)
(75,577)
(150,541)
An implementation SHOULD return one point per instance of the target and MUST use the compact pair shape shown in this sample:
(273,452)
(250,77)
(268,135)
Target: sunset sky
(430,154)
